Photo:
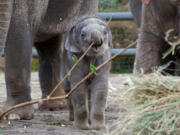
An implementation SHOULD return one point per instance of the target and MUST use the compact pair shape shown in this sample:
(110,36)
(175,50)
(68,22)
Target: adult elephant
(156,18)
(136,9)
(24,23)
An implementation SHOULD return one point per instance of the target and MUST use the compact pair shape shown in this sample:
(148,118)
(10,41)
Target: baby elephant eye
(83,35)
(105,32)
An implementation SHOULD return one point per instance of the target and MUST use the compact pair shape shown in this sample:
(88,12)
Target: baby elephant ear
(70,43)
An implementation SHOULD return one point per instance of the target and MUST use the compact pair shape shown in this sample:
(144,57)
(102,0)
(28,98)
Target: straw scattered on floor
(153,106)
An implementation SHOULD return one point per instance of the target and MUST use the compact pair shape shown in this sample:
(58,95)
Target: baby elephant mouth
(96,46)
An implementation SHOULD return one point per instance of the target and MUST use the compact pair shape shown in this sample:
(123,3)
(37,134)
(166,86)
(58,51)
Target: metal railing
(116,15)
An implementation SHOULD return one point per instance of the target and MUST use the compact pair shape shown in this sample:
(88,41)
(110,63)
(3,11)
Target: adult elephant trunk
(6,7)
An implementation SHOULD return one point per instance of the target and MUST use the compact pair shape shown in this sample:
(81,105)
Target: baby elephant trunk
(96,38)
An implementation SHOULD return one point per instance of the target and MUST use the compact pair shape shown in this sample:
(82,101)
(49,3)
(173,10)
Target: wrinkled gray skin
(87,103)
(136,9)
(39,22)
(156,19)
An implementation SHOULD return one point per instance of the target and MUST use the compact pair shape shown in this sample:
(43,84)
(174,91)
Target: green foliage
(69,75)
(53,123)
(34,64)
(122,64)
(93,68)
(74,58)
(113,5)
(105,4)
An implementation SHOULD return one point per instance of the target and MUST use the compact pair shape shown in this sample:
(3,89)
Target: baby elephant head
(87,31)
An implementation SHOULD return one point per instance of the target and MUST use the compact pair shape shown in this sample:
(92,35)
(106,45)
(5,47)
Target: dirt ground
(56,122)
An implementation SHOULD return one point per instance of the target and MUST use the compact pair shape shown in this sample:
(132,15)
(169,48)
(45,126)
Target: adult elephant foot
(53,105)
(24,113)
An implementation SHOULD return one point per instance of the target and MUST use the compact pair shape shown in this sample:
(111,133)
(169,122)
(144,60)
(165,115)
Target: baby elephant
(87,103)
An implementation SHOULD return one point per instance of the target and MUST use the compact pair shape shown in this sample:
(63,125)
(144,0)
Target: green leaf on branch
(93,68)
(74,58)
(69,75)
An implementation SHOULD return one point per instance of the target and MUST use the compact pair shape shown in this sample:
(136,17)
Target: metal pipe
(116,15)
(131,51)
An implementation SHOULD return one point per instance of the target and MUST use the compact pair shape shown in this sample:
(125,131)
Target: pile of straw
(153,103)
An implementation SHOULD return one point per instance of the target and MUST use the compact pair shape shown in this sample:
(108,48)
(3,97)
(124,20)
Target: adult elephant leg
(136,9)
(49,71)
(149,53)
(18,67)
(5,17)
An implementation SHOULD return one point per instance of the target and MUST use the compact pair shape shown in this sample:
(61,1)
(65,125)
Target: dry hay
(153,104)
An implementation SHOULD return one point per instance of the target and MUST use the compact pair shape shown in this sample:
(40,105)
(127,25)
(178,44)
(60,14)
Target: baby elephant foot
(84,125)
(53,105)
(98,122)
(81,120)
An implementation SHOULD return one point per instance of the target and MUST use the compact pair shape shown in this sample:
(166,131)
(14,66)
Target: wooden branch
(68,94)
(99,67)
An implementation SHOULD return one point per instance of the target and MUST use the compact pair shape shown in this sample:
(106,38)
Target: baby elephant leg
(99,90)
(80,107)
(71,111)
